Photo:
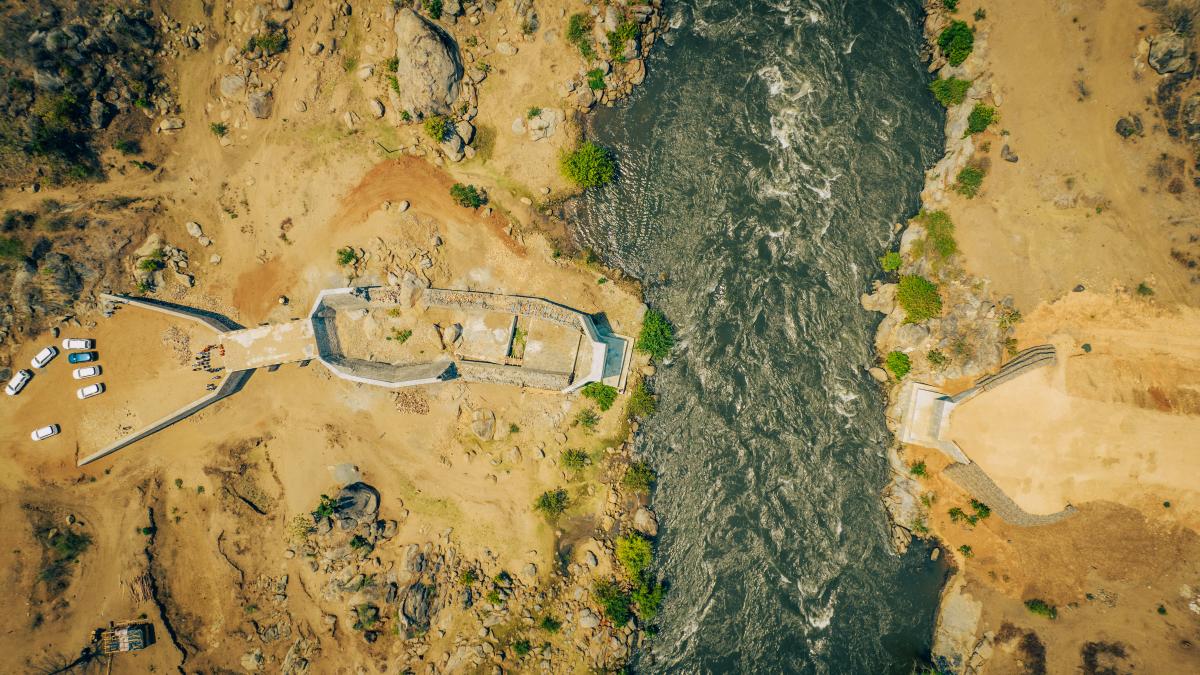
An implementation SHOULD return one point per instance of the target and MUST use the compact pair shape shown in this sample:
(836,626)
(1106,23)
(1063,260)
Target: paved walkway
(269,345)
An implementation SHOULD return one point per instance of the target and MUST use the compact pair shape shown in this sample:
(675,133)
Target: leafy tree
(635,553)
(980,119)
(437,127)
(957,41)
(603,394)
(1041,608)
(648,598)
(613,599)
(589,165)
(919,297)
(639,477)
(656,337)
(552,503)
(899,364)
(467,196)
(950,91)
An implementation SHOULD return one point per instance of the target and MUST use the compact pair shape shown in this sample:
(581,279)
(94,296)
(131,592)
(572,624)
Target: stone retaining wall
(977,483)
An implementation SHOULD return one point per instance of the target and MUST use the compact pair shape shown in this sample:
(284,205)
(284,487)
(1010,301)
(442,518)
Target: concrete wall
(216,322)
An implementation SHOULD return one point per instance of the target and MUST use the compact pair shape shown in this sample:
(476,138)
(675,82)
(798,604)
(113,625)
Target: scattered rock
(232,86)
(170,124)
(587,619)
(506,49)
(193,229)
(878,375)
(645,521)
(252,661)
(1128,126)
(1169,53)
(259,104)
(403,206)
(356,503)
(376,107)
(1008,155)
(483,424)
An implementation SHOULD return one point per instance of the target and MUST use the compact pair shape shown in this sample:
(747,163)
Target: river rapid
(762,166)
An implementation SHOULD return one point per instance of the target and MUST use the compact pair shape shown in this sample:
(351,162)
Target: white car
(43,357)
(45,432)
(18,382)
(85,372)
(78,343)
(90,390)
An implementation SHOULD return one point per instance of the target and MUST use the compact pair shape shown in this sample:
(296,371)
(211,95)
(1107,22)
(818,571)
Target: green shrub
(346,256)
(956,41)
(437,127)
(950,91)
(980,119)
(980,14)
(604,395)
(579,31)
(617,39)
(635,553)
(1041,608)
(939,231)
(641,401)
(392,64)
(966,551)
(950,5)
(467,577)
(898,363)
(400,336)
(11,248)
(533,112)
(589,165)
(588,419)
(614,600)
(656,337)
(970,179)
(982,510)
(639,477)
(550,624)
(595,79)
(919,470)
(395,85)
(128,146)
(1144,290)
(466,196)
(574,460)
(271,42)
(919,297)
(936,358)
(891,261)
(552,503)
(433,8)
(218,128)
(521,647)
(648,598)
(153,262)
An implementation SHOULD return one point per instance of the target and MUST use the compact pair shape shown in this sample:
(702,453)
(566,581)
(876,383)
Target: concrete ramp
(269,345)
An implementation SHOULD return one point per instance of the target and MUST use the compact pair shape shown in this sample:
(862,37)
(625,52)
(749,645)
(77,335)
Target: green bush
(970,179)
(604,395)
(11,248)
(467,577)
(635,553)
(589,165)
(648,597)
(550,624)
(466,196)
(891,261)
(595,79)
(936,358)
(1041,608)
(433,8)
(956,41)
(346,256)
(950,5)
(939,232)
(1144,290)
(588,419)
(579,27)
(271,42)
(437,127)
(521,647)
(919,297)
(639,477)
(898,363)
(656,337)
(617,39)
(218,128)
(982,510)
(966,551)
(641,401)
(128,146)
(392,64)
(552,503)
(574,460)
(614,600)
(950,91)
(919,470)
(533,112)
(980,119)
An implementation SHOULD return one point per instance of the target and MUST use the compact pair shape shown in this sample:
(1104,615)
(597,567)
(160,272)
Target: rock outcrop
(430,71)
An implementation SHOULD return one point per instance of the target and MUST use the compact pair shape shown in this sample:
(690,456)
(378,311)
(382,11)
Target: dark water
(763,164)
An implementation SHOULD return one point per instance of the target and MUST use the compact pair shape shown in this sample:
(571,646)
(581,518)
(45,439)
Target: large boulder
(1191,117)
(1168,53)
(260,103)
(356,503)
(430,70)
(418,606)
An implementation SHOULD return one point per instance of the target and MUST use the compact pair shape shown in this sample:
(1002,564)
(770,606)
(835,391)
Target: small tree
(639,477)
(603,394)
(346,256)
(656,337)
(957,41)
(899,364)
(919,298)
(437,127)
(552,503)
(1041,608)
(466,196)
(950,91)
(613,599)
(635,553)
(980,119)
(589,165)
(891,261)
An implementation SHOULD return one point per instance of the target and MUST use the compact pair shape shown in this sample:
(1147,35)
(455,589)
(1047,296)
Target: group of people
(203,361)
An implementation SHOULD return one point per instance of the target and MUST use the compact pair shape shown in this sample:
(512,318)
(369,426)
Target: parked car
(82,357)
(44,357)
(78,343)
(90,390)
(86,372)
(45,432)
(18,382)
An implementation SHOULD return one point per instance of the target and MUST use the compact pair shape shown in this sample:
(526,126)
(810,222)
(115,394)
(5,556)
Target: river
(762,166)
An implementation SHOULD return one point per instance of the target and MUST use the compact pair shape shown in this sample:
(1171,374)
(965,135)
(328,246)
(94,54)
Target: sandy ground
(278,202)
(1116,422)
(1083,205)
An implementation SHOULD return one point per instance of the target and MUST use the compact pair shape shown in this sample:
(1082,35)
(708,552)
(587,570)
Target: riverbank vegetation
(980,119)
(589,165)
(950,91)
(657,337)
(957,41)
(898,363)
(919,298)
